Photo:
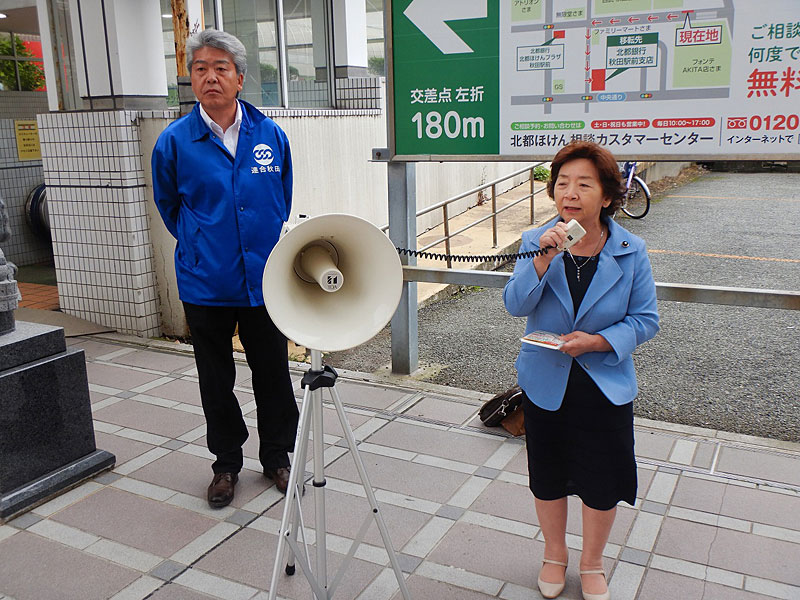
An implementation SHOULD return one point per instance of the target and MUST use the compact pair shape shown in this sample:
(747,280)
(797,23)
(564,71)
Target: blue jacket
(226,213)
(620,305)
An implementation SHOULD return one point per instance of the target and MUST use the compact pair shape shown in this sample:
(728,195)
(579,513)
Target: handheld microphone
(574,234)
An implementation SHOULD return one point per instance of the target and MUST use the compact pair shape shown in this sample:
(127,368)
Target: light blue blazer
(620,305)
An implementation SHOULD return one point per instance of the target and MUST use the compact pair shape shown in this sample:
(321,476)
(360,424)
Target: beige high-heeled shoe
(552,590)
(586,595)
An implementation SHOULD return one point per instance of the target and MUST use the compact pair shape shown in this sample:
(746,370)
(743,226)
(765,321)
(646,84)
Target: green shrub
(541,173)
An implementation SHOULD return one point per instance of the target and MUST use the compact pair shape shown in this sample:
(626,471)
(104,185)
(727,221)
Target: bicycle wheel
(637,200)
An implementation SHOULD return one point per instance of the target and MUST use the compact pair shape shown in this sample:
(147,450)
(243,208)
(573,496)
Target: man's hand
(580,342)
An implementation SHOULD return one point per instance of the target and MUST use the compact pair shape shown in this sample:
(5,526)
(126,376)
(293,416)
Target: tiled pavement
(716,516)
(38,295)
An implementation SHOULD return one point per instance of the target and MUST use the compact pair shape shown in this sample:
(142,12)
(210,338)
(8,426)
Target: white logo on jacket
(263,154)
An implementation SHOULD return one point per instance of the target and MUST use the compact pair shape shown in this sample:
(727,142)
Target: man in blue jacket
(222,181)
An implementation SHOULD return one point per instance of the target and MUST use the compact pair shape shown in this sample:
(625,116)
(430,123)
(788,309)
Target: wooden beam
(180,26)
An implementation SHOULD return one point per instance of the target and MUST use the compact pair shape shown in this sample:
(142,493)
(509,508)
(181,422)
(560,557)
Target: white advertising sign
(664,79)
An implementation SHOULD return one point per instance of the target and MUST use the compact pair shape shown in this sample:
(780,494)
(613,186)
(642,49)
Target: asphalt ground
(730,368)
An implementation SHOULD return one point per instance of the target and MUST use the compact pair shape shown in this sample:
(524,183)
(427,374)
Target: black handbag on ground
(500,406)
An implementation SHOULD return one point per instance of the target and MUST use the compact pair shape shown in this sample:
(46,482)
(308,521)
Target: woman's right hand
(552,239)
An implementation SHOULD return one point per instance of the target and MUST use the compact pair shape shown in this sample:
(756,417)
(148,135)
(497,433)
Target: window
(375,45)
(307,53)
(21,67)
(169,53)
(255,23)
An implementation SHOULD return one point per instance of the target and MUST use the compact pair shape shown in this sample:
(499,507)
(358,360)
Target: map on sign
(646,78)
(613,66)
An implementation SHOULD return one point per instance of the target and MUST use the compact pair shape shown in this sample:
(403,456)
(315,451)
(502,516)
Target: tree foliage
(269,73)
(376,65)
(31,76)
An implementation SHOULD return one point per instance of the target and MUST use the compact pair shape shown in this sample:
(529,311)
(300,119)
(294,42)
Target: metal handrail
(444,204)
(674,292)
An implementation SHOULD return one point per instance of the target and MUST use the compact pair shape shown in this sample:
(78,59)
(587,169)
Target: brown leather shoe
(220,492)
(280,476)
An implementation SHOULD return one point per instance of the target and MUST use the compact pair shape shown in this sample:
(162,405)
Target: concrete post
(350,44)
(119,54)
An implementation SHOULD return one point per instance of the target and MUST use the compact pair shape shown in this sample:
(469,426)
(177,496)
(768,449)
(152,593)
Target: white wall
(97,201)
(20,178)
(96,64)
(47,57)
(332,168)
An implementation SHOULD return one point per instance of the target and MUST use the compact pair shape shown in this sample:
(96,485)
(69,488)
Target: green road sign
(446,81)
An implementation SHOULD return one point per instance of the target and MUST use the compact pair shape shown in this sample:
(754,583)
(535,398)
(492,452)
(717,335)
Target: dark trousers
(212,328)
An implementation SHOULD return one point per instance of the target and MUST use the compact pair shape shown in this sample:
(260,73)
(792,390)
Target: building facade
(110,87)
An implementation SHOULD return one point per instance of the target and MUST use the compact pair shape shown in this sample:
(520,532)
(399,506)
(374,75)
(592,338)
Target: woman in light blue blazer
(600,297)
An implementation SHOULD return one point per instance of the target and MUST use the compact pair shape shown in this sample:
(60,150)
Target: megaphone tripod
(316,378)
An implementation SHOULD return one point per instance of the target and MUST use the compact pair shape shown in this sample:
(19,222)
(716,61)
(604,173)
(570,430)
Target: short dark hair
(220,40)
(603,161)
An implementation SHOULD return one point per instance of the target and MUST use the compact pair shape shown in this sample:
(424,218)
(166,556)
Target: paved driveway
(729,368)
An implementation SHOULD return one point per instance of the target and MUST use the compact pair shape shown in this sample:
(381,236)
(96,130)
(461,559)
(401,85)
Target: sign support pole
(403,233)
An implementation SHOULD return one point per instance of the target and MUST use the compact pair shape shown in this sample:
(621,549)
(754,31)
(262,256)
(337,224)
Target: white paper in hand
(545,339)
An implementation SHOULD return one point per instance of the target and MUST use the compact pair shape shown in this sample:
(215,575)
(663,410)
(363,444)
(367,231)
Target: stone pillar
(9,293)
(350,43)
(48,442)
(119,54)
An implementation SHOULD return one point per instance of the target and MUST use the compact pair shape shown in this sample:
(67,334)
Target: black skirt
(583,448)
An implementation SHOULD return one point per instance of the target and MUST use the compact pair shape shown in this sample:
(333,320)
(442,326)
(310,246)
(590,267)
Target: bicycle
(636,202)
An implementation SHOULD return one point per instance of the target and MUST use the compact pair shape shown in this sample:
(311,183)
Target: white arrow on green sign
(446,81)
(431,17)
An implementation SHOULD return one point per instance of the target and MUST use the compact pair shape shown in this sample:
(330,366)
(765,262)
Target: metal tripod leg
(290,513)
(299,462)
(373,502)
(312,407)
(318,451)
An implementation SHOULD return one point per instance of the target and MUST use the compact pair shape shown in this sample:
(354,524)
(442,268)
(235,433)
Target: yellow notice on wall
(28,147)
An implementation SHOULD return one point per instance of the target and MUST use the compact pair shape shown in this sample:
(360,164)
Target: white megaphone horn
(317,263)
(332,282)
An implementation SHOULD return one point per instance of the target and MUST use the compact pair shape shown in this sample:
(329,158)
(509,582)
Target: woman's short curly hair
(604,162)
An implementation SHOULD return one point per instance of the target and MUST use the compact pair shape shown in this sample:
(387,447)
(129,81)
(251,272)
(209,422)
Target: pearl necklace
(579,267)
